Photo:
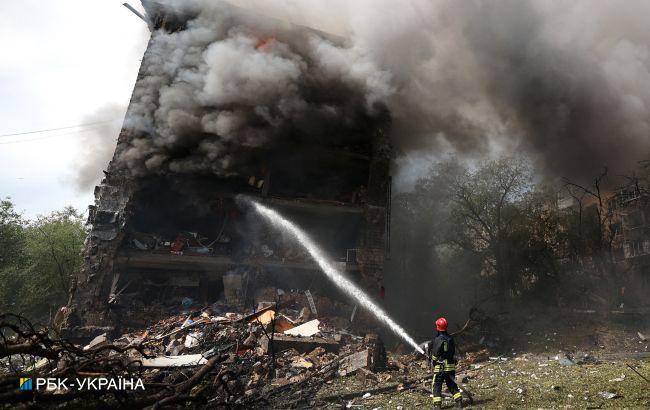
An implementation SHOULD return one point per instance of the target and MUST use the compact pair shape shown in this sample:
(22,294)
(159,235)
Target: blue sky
(62,61)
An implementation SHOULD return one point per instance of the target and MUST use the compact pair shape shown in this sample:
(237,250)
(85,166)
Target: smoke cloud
(565,83)
(97,145)
(232,81)
(568,84)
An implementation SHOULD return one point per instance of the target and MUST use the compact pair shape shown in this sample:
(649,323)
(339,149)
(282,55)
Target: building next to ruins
(160,238)
(629,206)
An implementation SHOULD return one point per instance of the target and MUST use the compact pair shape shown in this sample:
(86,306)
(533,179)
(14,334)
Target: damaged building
(629,206)
(175,230)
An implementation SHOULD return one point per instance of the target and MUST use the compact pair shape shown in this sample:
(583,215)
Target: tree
(487,209)
(423,263)
(39,260)
(594,232)
(11,234)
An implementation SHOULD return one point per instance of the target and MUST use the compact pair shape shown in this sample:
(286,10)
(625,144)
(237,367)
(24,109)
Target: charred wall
(159,236)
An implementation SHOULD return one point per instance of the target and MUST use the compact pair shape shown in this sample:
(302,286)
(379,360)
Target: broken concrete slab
(301,344)
(354,362)
(305,330)
(175,361)
(98,341)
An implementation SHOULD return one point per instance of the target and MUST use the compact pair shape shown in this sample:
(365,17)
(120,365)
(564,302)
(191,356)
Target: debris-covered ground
(281,356)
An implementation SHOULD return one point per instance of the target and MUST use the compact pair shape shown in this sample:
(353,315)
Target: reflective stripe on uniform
(437,399)
(457,396)
(449,367)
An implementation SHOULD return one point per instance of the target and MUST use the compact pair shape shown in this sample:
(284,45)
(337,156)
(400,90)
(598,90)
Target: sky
(63,63)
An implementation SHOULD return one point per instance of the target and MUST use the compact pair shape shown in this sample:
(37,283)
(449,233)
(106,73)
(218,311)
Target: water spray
(332,273)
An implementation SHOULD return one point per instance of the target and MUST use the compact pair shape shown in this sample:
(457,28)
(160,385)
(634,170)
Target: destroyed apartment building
(164,238)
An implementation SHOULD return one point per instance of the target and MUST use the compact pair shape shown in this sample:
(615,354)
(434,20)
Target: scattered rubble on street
(277,356)
(254,357)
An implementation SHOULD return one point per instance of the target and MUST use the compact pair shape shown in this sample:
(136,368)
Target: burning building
(230,103)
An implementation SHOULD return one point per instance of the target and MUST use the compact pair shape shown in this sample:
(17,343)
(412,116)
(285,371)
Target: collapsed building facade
(172,233)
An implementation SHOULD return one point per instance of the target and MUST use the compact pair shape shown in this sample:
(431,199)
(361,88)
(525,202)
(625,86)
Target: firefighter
(442,351)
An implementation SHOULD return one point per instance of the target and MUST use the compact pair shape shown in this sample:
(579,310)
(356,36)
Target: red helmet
(441,325)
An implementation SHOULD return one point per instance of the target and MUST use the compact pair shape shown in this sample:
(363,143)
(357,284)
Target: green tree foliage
(37,260)
(468,233)
(11,234)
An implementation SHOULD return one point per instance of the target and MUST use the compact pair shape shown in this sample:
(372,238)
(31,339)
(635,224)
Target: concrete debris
(477,357)
(265,318)
(99,341)
(305,314)
(642,336)
(354,362)
(239,357)
(301,344)
(283,323)
(608,395)
(192,339)
(175,361)
(302,363)
(307,329)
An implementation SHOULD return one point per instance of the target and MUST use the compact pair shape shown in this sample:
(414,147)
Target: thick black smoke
(565,83)
(233,81)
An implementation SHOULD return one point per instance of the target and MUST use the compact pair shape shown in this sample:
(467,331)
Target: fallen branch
(635,371)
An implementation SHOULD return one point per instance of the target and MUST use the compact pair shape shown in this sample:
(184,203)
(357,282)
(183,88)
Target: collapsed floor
(282,355)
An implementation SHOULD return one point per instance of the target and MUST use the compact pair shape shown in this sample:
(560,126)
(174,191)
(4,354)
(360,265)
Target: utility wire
(51,136)
(59,128)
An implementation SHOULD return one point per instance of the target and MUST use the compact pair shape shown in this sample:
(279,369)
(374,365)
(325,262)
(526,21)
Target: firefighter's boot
(458,400)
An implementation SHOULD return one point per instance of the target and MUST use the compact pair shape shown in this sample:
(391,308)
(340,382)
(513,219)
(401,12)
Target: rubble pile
(272,356)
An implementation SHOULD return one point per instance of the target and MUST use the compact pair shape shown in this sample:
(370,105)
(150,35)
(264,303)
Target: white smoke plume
(567,83)
(98,143)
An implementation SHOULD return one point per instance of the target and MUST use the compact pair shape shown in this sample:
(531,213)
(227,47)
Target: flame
(262,43)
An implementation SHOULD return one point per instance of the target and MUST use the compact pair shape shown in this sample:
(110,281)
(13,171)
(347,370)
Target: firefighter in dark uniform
(442,351)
